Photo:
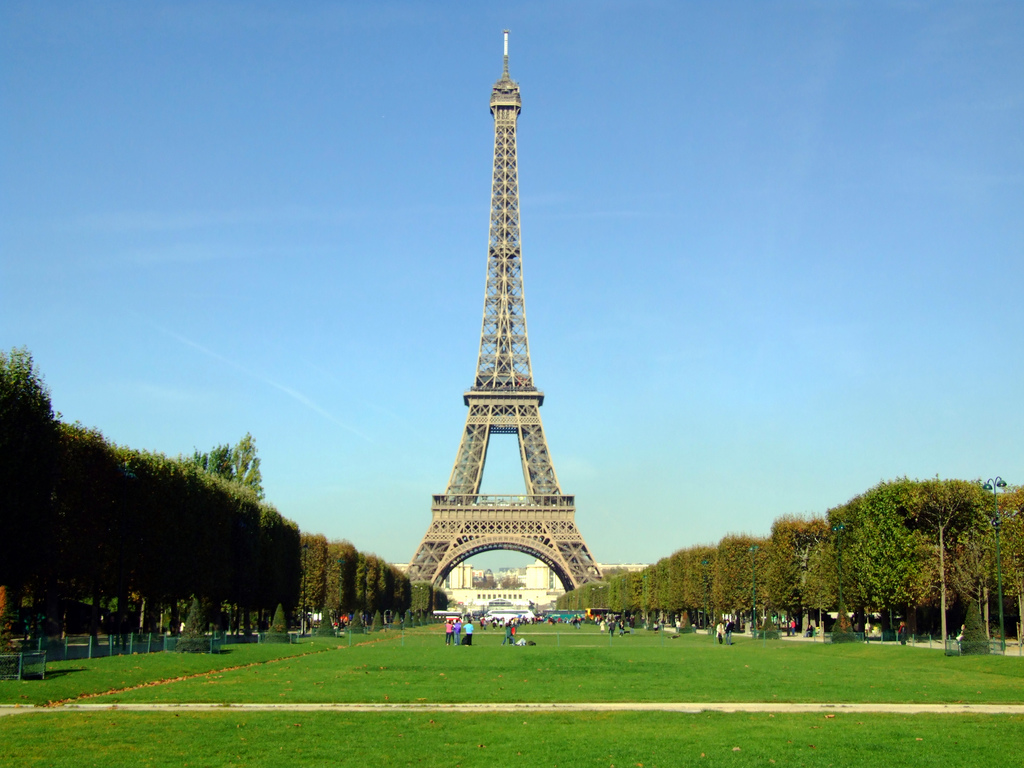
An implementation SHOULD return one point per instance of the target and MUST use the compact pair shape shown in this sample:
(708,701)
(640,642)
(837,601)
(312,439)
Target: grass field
(564,666)
(622,739)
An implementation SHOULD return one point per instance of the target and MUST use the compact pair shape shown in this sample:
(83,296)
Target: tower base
(543,526)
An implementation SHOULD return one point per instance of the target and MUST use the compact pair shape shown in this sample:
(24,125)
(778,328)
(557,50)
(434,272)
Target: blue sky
(773,251)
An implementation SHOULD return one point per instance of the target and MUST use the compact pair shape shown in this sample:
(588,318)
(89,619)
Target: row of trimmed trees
(141,533)
(903,545)
(129,538)
(337,579)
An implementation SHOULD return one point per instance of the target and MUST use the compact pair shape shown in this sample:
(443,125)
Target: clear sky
(773,251)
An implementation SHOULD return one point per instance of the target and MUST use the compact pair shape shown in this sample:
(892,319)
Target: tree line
(906,549)
(130,537)
(337,579)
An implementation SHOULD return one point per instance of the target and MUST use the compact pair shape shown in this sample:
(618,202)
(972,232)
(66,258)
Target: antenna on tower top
(505,70)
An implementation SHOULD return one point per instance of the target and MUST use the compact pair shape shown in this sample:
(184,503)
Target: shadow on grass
(52,674)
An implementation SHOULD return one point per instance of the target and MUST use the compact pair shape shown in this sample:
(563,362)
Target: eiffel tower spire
(503,399)
(504,360)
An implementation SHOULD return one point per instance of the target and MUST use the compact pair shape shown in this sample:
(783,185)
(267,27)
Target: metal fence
(18,666)
(956,647)
(73,647)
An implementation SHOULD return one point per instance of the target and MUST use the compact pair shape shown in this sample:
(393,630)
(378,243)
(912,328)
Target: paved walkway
(683,707)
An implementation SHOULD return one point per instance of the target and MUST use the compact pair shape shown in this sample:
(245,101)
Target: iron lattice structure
(504,400)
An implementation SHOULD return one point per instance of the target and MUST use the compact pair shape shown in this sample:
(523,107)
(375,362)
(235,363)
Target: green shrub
(278,629)
(975,641)
(842,631)
(326,628)
(378,622)
(193,638)
(769,630)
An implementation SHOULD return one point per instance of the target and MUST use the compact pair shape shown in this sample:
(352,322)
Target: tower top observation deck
(506,90)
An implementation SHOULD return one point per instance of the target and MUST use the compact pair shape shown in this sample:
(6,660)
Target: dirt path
(691,708)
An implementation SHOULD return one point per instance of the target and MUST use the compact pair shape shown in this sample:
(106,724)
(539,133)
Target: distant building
(538,586)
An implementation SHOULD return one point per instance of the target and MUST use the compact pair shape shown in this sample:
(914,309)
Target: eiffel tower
(504,400)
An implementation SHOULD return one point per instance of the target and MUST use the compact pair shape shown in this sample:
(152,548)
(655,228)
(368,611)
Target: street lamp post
(997,522)
(753,581)
(838,529)
(704,563)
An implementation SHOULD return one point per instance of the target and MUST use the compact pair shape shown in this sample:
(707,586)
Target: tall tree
(246,465)
(238,463)
(1011,505)
(880,563)
(788,559)
(28,456)
(735,563)
(944,509)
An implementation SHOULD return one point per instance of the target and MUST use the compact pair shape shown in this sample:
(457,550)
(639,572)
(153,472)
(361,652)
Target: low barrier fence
(74,647)
(19,666)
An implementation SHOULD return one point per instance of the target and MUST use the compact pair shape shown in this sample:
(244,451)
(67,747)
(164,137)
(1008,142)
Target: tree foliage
(896,546)
(6,622)
(164,528)
(28,464)
(237,464)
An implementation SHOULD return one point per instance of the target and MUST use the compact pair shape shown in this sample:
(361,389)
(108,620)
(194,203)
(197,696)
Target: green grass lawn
(621,739)
(584,667)
(564,666)
(72,679)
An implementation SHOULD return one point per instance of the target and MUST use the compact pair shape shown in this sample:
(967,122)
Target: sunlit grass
(84,677)
(581,666)
(487,739)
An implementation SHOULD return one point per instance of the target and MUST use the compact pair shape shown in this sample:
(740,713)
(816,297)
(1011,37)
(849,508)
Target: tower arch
(458,555)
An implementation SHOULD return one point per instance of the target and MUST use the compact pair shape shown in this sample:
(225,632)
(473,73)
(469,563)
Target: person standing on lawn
(720,632)
(469,633)
(448,629)
(457,630)
(508,633)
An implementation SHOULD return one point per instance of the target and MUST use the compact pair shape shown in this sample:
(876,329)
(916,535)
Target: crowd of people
(460,632)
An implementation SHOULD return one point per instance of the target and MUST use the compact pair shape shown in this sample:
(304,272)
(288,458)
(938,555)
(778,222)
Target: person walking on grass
(729,627)
(720,632)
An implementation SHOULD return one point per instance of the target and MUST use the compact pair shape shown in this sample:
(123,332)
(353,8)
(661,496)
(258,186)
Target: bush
(769,630)
(842,631)
(278,629)
(326,628)
(975,641)
(378,622)
(193,638)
